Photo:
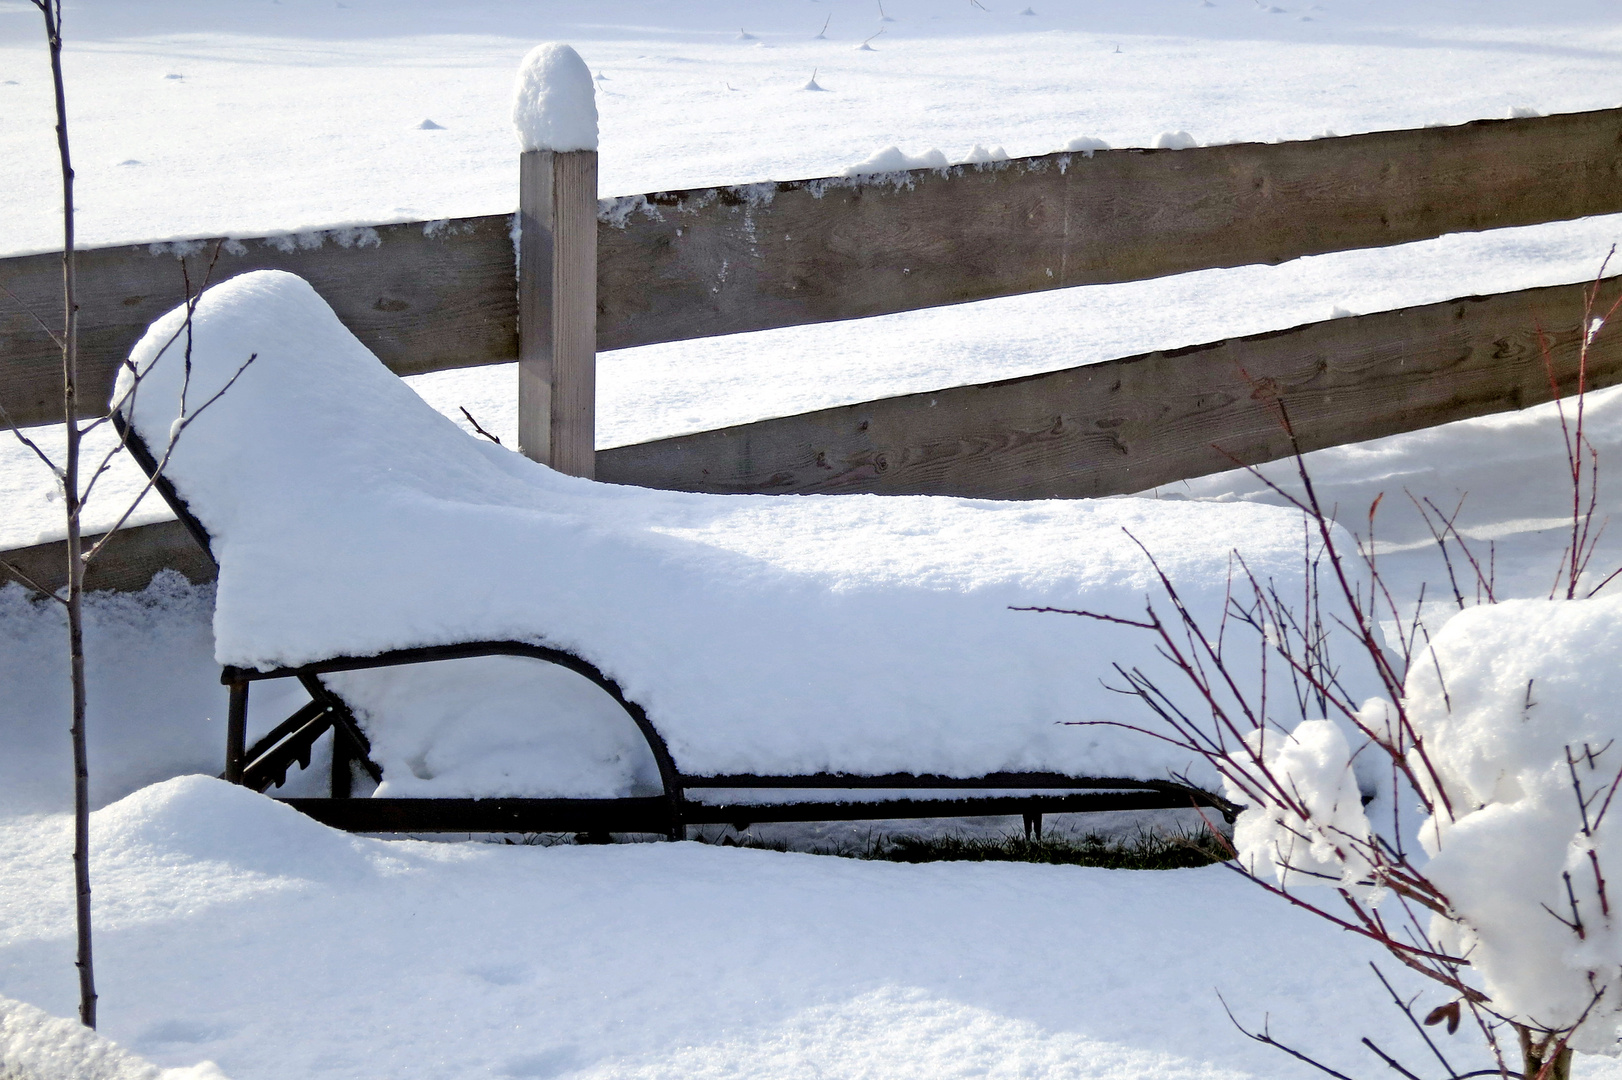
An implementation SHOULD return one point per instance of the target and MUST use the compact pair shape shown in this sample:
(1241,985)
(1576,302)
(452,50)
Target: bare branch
(174,437)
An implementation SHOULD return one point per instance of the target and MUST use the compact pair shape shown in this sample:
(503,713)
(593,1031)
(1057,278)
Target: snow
(663,390)
(227,921)
(1524,686)
(1512,739)
(336,92)
(1086,145)
(891,159)
(1282,843)
(555,101)
(826,633)
(37,1046)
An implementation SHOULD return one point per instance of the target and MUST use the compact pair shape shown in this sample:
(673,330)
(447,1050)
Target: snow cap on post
(555,100)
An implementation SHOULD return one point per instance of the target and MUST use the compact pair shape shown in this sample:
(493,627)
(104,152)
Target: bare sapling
(1361,785)
(70,476)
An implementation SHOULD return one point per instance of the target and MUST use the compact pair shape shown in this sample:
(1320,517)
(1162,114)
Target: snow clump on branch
(1513,743)
(1309,829)
(1525,737)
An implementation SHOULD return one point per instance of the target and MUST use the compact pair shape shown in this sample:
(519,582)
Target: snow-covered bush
(1461,815)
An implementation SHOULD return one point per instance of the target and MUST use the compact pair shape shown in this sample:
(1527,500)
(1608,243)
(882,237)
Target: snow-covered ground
(233,930)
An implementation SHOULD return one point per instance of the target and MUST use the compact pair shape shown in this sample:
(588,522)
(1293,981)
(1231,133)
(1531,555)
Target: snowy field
(234,930)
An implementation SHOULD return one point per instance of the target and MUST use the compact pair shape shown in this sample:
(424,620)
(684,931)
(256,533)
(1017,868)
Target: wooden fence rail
(670,266)
(1103,429)
(678,265)
(1128,425)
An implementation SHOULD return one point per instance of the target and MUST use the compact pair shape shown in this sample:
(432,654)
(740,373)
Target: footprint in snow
(554,1062)
(183,1031)
(131,161)
(501,974)
(174,76)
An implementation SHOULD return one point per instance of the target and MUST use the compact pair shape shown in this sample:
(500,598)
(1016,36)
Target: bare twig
(475,423)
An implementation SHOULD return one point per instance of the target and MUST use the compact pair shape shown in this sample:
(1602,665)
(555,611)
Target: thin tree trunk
(52,10)
(1536,1063)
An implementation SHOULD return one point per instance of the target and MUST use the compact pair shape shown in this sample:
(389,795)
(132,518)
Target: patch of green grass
(1146,851)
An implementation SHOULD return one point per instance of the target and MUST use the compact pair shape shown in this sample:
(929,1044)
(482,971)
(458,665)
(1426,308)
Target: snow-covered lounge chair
(763,648)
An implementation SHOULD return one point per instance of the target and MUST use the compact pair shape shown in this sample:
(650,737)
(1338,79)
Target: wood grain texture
(679,265)
(423,296)
(1129,425)
(574,311)
(727,260)
(537,235)
(126,564)
(557,309)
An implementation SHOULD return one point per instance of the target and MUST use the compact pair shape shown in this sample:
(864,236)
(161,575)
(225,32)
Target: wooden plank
(126,564)
(1129,425)
(423,296)
(557,309)
(720,261)
(678,265)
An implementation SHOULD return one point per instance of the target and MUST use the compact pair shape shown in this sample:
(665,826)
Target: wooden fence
(671,266)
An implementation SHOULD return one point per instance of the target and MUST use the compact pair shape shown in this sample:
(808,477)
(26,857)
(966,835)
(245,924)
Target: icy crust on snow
(34,1045)
(761,633)
(1521,684)
(555,100)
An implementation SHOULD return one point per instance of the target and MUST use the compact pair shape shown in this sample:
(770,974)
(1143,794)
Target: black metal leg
(1033,826)
(678,829)
(236,733)
(343,777)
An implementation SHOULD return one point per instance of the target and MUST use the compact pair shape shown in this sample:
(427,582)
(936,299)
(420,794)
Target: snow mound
(1085,145)
(34,1045)
(203,819)
(1175,140)
(555,100)
(854,633)
(892,159)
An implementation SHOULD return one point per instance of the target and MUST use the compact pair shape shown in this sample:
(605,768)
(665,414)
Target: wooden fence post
(557,309)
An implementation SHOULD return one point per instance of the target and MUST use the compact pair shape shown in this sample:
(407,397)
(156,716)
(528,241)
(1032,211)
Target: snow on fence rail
(429,296)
